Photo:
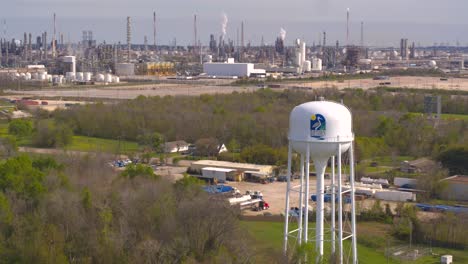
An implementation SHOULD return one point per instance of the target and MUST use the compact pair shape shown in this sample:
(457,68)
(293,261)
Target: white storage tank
(116,79)
(87,76)
(100,77)
(49,77)
(43,76)
(70,76)
(316,64)
(28,76)
(79,76)
(307,66)
(108,78)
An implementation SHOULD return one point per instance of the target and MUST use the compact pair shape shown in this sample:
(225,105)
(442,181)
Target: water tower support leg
(301,203)
(307,195)
(340,208)
(333,218)
(286,208)
(353,203)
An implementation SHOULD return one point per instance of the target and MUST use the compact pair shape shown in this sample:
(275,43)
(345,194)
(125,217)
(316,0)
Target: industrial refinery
(241,132)
(50,59)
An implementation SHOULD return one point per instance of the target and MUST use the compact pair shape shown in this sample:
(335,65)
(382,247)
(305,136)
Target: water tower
(320,131)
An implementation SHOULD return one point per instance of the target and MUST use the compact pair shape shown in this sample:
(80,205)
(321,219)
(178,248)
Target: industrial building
(241,167)
(457,188)
(221,174)
(232,69)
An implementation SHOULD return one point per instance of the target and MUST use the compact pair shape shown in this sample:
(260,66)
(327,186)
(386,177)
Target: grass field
(82,143)
(371,245)
(448,116)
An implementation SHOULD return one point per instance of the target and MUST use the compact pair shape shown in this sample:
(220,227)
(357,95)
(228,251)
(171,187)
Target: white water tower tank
(320,123)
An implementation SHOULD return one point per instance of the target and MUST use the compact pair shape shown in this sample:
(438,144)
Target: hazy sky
(422,21)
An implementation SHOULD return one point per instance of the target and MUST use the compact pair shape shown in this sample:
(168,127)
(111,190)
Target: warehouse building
(232,69)
(457,188)
(197,166)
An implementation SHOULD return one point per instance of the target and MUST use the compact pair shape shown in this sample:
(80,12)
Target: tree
(20,176)
(8,146)
(455,160)
(207,147)
(134,170)
(48,134)
(153,141)
(20,127)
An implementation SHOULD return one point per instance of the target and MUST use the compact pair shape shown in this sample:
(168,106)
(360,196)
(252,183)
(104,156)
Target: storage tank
(70,76)
(87,76)
(365,61)
(79,76)
(108,78)
(42,76)
(316,64)
(432,63)
(35,76)
(116,79)
(49,77)
(100,77)
(307,66)
(28,76)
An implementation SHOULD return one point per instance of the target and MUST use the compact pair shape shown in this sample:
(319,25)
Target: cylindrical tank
(320,123)
(116,79)
(49,77)
(70,76)
(28,76)
(108,78)
(100,78)
(303,51)
(79,76)
(432,63)
(42,76)
(307,66)
(298,59)
(35,76)
(208,58)
(317,64)
(87,76)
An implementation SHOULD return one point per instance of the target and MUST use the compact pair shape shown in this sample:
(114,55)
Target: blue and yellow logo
(318,125)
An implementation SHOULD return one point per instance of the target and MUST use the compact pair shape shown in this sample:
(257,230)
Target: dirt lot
(215,86)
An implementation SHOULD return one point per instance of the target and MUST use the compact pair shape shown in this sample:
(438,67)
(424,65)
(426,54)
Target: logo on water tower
(318,126)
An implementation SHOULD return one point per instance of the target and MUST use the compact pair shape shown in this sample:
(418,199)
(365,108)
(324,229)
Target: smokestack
(154,30)
(146,43)
(324,39)
(129,37)
(30,47)
(362,34)
(195,34)
(54,38)
(347,27)
(46,46)
(25,46)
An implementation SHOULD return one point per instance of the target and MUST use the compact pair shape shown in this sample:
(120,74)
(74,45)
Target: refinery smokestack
(54,38)
(362,34)
(129,37)
(347,27)
(194,34)
(154,30)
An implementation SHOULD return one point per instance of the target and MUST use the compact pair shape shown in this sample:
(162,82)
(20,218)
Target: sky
(385,21)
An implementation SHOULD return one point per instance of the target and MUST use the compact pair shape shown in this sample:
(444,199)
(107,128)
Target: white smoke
(224,22)
(282,34)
